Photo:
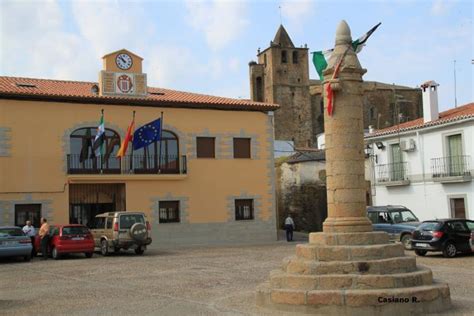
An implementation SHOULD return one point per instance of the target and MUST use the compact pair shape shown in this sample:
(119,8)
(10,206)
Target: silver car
(14,243)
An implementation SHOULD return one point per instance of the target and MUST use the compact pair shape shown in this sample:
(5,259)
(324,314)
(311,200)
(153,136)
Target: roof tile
(458,113)
(53,90)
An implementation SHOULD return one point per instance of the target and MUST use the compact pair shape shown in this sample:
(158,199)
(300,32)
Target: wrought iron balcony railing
(130,164)
(450,166)
(392,172)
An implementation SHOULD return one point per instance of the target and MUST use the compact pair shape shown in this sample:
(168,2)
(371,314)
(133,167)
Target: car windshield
(11,232)
(428,226)
(403,216)
(75,230)
(127,221)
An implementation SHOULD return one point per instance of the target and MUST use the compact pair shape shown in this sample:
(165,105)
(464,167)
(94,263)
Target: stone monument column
(348,269)
(344,134)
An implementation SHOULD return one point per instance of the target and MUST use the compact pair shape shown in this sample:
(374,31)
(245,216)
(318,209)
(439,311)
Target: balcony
(131,164)
(392,174)
(451,169)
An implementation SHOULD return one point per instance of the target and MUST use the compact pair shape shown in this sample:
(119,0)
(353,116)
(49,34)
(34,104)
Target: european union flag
(147,134)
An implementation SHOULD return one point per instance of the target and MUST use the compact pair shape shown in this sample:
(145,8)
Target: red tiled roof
(80,92)
(456,114)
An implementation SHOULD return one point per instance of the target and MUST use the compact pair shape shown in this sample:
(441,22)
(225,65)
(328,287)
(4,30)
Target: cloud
(441,7)
(296,11)
(111,25)
(222,22)
(29,42)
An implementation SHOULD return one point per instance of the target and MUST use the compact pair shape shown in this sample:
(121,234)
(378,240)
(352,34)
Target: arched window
(148,160)
(82,158)
(283,57)
(371,113)
(259,87)
(295,57)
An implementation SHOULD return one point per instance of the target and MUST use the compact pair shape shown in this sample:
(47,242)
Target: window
(27,212)
(109,222)
(373,216)
(98,223)
(241,147)
(396,167)
(81,153)
(295,57)
(147,158)
(283,57)
(205,147)
(127,221)
(75,230)
(455,159)
(457,226)
(243,209)
(265,59)
(259,88)
(371,113)
(169,212)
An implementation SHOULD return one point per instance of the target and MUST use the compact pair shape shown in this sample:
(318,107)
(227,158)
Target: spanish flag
(127,139)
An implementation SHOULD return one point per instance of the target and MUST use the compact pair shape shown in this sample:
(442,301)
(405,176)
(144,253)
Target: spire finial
(343,33)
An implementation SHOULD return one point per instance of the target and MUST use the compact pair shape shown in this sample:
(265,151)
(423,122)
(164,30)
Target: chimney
(430,101)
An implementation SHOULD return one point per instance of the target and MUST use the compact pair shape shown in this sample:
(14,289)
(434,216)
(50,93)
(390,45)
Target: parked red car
(65,239)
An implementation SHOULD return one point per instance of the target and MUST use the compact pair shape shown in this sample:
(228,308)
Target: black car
(450,236)
(396,220)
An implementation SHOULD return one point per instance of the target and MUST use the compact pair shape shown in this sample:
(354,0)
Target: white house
(425,164)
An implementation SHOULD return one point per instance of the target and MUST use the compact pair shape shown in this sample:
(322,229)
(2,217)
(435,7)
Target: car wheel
(406,241)
(55,253)
(27,258)
(420,252)
(104,248)
(139,251)
(89,254)
(449,250)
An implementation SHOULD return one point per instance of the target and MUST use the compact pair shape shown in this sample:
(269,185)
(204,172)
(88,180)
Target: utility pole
(455,93)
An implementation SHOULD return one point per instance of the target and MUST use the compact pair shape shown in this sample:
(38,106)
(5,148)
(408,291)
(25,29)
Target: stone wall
(380,108)
(301,191)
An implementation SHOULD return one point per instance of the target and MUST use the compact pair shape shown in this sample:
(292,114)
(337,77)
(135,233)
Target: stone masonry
(348,269)
(281,75)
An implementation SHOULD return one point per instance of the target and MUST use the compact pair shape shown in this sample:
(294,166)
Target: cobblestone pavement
(194,281)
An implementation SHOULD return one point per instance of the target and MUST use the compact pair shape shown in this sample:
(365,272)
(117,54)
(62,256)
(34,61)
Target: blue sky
(205,46)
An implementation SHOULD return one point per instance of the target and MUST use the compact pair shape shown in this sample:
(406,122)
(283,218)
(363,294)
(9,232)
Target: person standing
(289,227)
(44,235)
(30,231)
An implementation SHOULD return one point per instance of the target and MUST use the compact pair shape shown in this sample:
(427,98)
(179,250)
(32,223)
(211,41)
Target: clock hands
(122,59)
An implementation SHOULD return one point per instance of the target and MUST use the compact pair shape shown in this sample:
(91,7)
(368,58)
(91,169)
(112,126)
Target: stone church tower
(281,76)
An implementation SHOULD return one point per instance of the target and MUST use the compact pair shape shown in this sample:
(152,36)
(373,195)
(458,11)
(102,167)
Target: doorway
(458,208)
(88,200)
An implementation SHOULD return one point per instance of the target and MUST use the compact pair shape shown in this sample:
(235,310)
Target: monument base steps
(352,274)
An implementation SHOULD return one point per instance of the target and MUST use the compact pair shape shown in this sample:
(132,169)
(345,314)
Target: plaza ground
(185,281)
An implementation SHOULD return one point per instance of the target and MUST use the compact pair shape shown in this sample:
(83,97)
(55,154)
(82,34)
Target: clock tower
(122,75)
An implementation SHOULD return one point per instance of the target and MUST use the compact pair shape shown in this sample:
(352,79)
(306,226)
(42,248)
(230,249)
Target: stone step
(298,265)
(345,239)
(398,301)
(349,253)
(281,280)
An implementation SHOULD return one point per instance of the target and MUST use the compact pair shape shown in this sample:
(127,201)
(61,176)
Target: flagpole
(102,146)
(159,154)
(131,154)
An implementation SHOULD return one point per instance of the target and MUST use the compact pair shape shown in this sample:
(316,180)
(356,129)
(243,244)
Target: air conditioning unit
(407,145)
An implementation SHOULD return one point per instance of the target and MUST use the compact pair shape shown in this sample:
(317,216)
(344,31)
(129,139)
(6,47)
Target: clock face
(123,61)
